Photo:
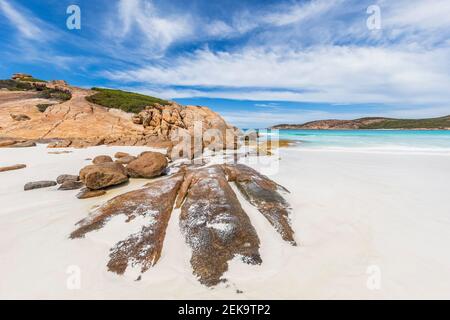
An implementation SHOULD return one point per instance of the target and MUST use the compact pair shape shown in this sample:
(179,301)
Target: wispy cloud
(140,18)
(26,25)
(329,74)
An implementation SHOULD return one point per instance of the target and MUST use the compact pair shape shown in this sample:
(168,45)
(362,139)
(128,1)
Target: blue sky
(258,63)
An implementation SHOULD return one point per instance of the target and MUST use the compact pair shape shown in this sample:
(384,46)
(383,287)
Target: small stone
(14,167)
(39,184)
(20,117)
(86,193)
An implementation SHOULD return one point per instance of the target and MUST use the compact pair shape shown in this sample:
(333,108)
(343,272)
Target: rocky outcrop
(212,220)
(264,194)
(14,167)
(39,185)
(214,225)
(79,123)
(148,165)
(98,176)
(154,203)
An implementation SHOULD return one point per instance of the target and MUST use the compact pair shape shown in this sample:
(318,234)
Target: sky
(257,63)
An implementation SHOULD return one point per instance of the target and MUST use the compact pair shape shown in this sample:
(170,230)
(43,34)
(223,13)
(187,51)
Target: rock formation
(80,123)
(212,220)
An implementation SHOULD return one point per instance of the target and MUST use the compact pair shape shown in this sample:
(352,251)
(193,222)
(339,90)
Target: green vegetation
(31,79)
(54,94)
(123,100)
(432,123)
(43,106)
(15,85)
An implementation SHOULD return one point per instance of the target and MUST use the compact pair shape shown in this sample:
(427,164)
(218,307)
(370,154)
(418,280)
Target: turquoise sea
(422,141)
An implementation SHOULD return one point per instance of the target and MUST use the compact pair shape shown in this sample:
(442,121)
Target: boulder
(102,159)
(148,165)
(71,185)
(14,167)
(125,160)
(86,193)
(67,177)
(39,184)
(98,176)
(119,155)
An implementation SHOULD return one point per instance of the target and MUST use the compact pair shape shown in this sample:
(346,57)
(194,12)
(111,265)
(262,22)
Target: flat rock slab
(25,144)
(214,224)
(14,167)
(155,203)
(264,194)
(39,185)
(67,177)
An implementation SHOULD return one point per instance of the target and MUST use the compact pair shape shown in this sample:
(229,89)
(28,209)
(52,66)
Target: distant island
(441,123)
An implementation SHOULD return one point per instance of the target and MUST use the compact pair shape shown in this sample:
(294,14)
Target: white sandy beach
(351,210)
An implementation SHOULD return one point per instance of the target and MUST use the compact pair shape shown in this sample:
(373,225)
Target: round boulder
(148,165)
(98,176)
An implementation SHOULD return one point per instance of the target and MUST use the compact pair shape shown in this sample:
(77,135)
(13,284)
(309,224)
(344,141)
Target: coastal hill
(442,123)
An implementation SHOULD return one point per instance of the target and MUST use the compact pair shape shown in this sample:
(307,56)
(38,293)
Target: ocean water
(397,141)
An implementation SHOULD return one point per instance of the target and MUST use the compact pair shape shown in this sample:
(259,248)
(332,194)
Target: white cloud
(328,74)
(25,25)
(160,31)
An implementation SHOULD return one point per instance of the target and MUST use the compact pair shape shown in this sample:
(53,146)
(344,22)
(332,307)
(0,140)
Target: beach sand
(353,213)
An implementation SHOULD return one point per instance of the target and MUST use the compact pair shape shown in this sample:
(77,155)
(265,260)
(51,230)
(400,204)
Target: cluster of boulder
(104,172)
